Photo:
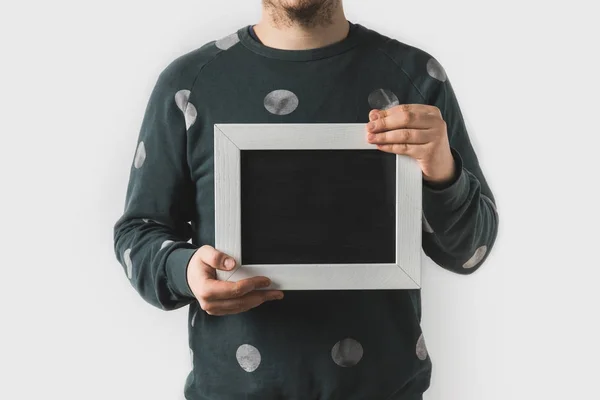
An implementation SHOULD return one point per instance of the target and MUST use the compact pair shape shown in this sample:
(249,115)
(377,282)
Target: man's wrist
(446,183)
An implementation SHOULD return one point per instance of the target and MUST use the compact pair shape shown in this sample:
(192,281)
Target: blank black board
(318,206)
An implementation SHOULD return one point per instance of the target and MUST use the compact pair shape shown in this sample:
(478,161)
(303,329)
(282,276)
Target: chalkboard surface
(318,206)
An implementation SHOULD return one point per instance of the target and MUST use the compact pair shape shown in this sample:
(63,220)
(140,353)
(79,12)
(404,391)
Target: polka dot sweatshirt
(326,345)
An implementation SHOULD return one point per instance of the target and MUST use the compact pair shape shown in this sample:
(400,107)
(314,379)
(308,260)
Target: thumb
(373,115)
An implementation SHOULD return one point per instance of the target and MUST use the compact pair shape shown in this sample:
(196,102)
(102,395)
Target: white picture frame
(231,139)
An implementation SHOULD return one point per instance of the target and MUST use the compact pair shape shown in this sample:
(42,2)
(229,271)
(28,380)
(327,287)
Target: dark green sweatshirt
(346,344)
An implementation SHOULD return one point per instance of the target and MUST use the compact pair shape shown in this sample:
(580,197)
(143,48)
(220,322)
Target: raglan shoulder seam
(209,61)
(399,66)
(193,60)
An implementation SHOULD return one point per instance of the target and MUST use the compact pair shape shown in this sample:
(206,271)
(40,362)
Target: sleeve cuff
(177,263)
(439,202)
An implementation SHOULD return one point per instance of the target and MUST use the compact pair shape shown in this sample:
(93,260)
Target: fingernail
(374,116)
(371,125)
(277,297)
(371,136)
(229,263)
(264,284)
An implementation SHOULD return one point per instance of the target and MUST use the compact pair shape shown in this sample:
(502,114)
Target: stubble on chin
(304,13)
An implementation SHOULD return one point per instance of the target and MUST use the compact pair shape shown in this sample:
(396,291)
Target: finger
(215,258)
(387,120)
(214,289)
(242,304)
(423,108)
(411,136)
(414,150)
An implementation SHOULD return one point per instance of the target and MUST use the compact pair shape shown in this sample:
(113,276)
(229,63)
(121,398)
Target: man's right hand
(218,297)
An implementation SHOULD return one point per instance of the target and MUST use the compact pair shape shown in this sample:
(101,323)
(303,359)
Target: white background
(75,78)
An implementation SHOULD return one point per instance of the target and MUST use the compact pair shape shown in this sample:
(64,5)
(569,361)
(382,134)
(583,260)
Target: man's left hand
(419,131)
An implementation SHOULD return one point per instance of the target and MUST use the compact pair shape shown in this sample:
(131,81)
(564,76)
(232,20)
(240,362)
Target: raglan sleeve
(460,218)
(151,237)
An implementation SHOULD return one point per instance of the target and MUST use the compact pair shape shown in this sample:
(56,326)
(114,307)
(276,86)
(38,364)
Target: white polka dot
(165,244)
(248,357)
(128,263)
(476,257)
(281,102)
(226,42)
(182,99)
(426,227)
(421,348)
(435,70)
(140,155)
(382,99)
(194,318)
(347,352)
(190,115)
(146,220)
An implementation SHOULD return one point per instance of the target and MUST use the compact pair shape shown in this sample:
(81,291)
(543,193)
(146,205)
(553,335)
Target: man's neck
(287,35)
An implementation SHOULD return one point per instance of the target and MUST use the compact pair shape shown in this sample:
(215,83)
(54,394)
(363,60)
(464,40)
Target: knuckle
(201,296)
(443,125)
(237,290)
(403,117)
(204,304)
(244,306)
(401,148)
(215,258)
(210,309)
(208,293)
(211,258)
(205,294)
(205,249)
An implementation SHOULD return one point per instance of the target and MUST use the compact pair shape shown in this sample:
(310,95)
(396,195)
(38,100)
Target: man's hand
(221,297)
(417,130)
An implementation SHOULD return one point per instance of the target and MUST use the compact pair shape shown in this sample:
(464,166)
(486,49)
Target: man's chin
(303,11)
(307,13)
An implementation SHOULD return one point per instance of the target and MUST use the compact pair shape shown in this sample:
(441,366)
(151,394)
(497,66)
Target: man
(304,62)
